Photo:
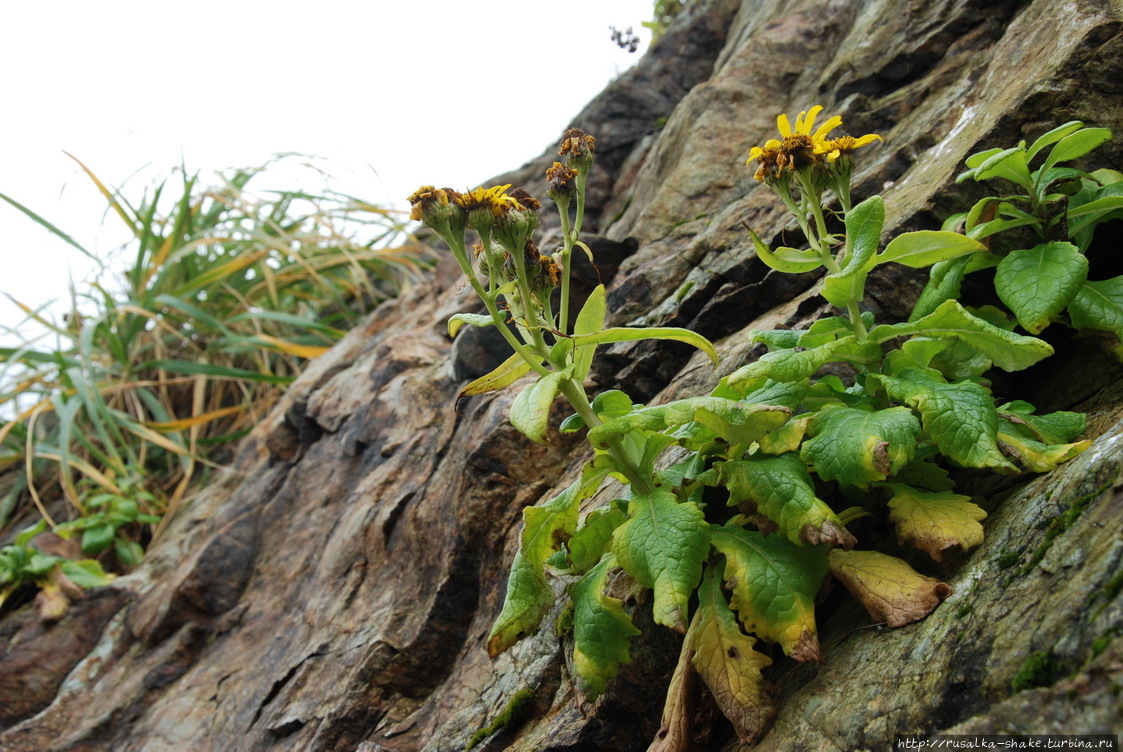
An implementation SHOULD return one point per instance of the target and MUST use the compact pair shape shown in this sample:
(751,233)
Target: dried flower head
(578,147)
(440,209)
(561,180)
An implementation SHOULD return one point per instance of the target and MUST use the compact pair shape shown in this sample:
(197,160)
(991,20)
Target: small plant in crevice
(734,506)
(1060,207)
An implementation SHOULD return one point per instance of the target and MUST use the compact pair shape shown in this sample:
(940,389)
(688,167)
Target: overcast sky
(391,94)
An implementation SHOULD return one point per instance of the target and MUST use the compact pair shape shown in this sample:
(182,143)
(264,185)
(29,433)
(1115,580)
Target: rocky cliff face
(335,591)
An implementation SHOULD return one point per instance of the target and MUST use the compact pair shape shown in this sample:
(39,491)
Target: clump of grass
(226,291)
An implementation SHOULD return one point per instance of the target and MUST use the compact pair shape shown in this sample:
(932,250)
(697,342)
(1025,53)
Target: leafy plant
(226,292)
(781,445)
(1061,206)
(56,577)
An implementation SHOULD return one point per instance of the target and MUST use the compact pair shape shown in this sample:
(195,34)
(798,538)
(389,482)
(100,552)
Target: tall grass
(225,293)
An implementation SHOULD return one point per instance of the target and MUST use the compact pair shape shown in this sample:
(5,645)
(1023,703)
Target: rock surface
(335,591)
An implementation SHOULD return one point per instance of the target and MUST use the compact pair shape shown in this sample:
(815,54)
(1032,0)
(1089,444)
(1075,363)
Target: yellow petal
(866,139)
(809,123)
(784,126)
(826,128)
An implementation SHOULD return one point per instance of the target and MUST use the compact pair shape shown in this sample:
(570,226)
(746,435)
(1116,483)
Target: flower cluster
(804,157)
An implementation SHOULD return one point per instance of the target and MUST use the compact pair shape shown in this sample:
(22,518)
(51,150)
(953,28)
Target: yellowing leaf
(935,520)
(507,373)
(529,597)
(601,631)
(890,589)
(780,489)
(725,659)
(774,583)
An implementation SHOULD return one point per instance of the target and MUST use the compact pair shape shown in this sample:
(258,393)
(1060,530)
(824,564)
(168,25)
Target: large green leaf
(860,447)
(863,235)
(590,320)
(960,418)
(601,630)
(632,334)
(663,545)
(780,489)
(927,247)
(783,365)
(774,584)
(734,421)
(1038,283)
(1008,351)
(1098,306)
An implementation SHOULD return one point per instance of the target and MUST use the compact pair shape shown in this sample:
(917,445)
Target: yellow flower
(494,199)
(836,147)
(797,148)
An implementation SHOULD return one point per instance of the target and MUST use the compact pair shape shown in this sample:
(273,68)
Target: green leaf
(792,261)
(1035,456)
(457,321)
(590,320)
(612,404)
(1038,283)
(1098,306)
(1009,164)
(860,447)
(1051,428)
(935,520)
(130,553)
(1052,137)
(601,631)
(927,247)
(85,574)
(725,658)
(633,334)
(530,412)
(863,233)
(663,545)
(97,538)
(774,584)
(778,339)
(545,529)
(783,365)
(780,489)
(1008,351)
(529,597)
(735,421)
(1092,213)
(591,539)
(960,418)
(510,371)
(1075,145)
(829,329)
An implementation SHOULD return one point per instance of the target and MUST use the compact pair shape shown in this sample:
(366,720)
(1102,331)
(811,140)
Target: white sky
(392,94)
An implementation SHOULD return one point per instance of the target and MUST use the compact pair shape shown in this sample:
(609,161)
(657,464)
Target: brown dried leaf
(890,589)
